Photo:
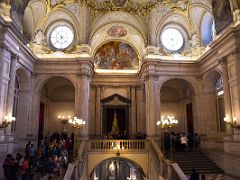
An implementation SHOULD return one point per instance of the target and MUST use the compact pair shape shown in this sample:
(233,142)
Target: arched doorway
(214,95)
(177,100)
(117,169)
(21,106)
(116,116)
(57,98)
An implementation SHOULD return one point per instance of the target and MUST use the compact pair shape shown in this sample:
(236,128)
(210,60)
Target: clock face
(172,39)
(61,37)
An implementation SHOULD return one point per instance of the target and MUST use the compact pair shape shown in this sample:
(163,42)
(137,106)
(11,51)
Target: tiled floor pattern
(219,177)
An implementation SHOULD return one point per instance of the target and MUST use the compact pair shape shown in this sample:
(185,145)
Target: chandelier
(76,122)
(167,122)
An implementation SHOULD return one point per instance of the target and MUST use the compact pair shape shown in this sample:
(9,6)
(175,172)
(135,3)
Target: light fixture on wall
(64,119)
(7,120)
(76,122)
(234,123)
(167,122)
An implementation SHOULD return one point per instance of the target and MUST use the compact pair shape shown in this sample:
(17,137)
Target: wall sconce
(76,122)
(232,124)
(7,120)
(226,119)
(64,119)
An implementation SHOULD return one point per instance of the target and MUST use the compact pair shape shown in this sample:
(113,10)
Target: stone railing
(113,145)
(166,168)
(77,169)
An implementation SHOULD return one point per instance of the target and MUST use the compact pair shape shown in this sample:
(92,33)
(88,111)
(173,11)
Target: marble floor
(220,177)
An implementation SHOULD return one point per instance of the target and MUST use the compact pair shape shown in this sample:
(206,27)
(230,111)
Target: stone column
(233,65)
(98,118)
(133,112)
(227,94)
(151,127)
(11,89)
(5,64)
(82,102)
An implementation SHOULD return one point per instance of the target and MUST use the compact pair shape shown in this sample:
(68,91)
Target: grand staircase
(197,160)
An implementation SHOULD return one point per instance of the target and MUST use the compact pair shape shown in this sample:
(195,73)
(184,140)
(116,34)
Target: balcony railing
(112,145)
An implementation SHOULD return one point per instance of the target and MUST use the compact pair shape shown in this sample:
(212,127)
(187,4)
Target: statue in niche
(194,42)
(112,171)
(39,37)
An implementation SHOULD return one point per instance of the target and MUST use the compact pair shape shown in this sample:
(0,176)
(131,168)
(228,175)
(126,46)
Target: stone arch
(24,78)
(209,80)
(43,80)
(211,110)
(169,20)
(182,106)
(23,106)
(63,15)
(119,16)
(136,160)
(189,81)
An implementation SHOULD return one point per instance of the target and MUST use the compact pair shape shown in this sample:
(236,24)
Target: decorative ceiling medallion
(117,31)
(119,3)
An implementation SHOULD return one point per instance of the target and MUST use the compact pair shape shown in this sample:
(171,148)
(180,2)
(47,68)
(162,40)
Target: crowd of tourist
(176,142)
(47,161)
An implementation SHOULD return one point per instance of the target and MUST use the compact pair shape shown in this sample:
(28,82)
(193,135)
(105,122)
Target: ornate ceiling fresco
(138,7)
(138,23)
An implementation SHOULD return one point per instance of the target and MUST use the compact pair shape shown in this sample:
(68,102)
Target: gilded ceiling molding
(129,6)
(134,7)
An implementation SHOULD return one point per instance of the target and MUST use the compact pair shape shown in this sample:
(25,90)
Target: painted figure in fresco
(117,31)
(116,55)
(119,3)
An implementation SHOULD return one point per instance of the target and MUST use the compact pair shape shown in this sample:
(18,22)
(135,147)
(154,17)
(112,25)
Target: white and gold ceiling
(139,22)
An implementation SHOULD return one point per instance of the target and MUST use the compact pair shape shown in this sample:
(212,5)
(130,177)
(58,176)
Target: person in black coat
(194,175)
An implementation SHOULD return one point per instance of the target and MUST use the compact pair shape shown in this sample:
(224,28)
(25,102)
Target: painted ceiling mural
(117,31)
(116,55)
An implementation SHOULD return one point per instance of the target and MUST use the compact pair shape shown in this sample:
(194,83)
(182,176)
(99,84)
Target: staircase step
(197,160)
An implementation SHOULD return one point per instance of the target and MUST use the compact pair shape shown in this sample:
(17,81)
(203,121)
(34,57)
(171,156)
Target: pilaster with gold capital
(151,105)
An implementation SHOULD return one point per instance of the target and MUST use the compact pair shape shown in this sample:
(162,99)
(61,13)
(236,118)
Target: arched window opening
(117,168)
(207,30)
(220,104)
(219,86)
